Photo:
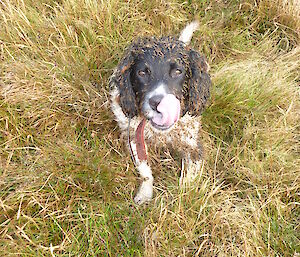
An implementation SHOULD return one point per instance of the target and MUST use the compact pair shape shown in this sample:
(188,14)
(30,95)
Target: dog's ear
(121,78)
(198,85)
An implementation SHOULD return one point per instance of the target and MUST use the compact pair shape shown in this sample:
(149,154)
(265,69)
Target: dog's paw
(144,194)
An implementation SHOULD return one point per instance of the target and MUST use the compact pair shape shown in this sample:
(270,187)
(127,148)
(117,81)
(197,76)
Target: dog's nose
(154,101)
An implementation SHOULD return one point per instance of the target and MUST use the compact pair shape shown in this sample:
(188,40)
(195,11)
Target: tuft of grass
(67,182)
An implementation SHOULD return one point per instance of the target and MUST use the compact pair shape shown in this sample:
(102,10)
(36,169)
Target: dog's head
(162,79)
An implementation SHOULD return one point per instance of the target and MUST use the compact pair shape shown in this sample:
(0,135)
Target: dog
(157,91)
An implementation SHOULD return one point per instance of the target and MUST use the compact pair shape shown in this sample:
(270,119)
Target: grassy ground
(66,183)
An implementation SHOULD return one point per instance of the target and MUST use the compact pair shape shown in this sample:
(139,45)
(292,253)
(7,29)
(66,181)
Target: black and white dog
(157,90)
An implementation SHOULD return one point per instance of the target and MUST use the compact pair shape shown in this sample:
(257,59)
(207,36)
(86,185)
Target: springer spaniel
(157,89)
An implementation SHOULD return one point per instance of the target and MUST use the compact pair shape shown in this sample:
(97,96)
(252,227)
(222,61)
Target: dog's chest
(184,132)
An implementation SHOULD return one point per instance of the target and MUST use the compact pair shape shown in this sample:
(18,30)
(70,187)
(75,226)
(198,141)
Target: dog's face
(158,83)
(161,79)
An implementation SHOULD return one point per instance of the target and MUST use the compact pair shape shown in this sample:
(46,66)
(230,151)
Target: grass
(66,183)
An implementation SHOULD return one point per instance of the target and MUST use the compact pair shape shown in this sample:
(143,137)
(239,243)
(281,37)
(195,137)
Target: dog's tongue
(169,111)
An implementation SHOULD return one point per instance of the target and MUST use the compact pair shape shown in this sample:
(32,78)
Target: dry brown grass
(66,183)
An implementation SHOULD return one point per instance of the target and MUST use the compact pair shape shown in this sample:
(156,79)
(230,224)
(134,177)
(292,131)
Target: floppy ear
(121,78)
(199,84)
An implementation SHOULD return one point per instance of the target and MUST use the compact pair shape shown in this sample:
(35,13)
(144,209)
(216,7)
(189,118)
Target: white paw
(144,194)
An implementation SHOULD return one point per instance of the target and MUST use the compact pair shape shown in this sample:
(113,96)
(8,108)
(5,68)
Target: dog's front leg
(191,169)
(145,191)
(192,156)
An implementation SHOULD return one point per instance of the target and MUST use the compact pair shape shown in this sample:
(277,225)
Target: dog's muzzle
(163,111)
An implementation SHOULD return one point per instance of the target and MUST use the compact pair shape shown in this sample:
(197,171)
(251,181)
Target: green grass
(66,180)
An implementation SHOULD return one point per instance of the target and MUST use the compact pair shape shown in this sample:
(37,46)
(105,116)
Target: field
(66,181)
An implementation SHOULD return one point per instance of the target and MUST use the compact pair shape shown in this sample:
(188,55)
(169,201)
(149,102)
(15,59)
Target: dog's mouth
(160,127)
(167,114)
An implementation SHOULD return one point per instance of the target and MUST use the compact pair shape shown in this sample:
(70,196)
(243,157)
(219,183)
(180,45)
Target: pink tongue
(169,109)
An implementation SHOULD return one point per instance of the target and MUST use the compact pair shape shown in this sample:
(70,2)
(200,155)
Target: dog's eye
(178,72)
(143,73)
(175,73)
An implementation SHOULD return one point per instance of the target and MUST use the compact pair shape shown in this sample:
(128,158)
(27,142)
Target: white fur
(134,152)
(190,172)
(190,136)
(187,33)
(190,140)
(159,90)
(117,110)
(145,192)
